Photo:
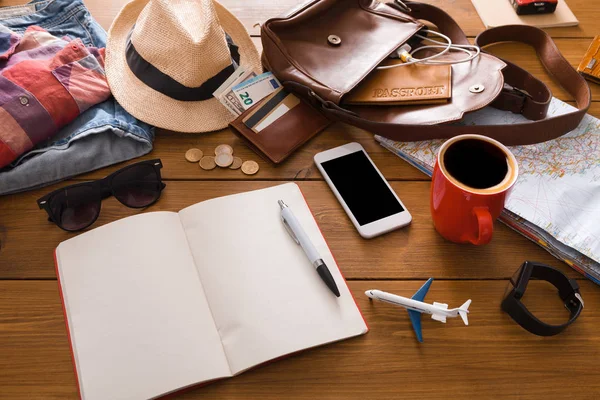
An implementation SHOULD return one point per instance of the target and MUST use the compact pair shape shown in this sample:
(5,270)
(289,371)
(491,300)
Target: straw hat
(165,58)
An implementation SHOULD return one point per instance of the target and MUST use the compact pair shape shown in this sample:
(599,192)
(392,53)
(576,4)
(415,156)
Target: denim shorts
(103,135)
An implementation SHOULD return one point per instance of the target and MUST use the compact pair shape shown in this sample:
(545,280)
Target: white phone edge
(375,228)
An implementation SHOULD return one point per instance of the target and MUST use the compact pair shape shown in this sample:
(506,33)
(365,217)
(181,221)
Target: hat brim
(155,108)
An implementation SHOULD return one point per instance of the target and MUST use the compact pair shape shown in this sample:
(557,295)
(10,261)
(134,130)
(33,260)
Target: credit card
(263,109)
(260,106)
(271,110)
(290,102)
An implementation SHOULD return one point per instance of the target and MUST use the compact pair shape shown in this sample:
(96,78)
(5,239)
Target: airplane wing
(415,318)
(420,295)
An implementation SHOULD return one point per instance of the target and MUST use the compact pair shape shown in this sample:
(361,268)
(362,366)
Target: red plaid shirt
(45,83)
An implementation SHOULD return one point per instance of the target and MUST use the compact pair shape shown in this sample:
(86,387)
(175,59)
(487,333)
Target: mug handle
(485,224)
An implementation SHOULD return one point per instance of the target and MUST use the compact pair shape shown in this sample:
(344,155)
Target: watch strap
(568,290)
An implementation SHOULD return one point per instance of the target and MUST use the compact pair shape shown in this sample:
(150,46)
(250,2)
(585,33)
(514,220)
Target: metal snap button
(24,100)
(477,88)
(334,40)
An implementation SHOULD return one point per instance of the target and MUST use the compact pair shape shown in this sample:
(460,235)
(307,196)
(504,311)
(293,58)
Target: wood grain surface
(491,358)
(414,252)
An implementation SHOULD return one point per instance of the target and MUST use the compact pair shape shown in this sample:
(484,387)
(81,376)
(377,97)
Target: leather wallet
(284,135)
(589,67)
(405,85)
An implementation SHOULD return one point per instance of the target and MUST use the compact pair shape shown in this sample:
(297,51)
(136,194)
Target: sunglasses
(75,207)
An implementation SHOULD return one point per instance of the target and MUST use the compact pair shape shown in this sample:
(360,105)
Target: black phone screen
(362,188)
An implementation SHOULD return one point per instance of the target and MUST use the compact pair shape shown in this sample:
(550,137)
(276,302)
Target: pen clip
(289,230)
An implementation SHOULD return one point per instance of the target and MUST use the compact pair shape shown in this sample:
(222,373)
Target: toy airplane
(415,307)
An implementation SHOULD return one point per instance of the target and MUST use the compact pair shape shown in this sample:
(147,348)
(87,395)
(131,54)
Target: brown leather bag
(322,49)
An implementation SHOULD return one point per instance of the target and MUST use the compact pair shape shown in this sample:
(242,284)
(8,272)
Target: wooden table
(491,358)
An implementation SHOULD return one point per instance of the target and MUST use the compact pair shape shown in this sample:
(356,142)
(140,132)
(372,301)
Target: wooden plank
(28,239)
(170,147)
(490,356)
(461,10)
(256,12)
(36,360)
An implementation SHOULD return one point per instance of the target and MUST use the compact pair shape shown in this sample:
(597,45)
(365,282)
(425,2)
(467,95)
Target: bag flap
(368,31)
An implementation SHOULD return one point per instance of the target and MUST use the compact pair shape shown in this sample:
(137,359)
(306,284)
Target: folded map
(556,200)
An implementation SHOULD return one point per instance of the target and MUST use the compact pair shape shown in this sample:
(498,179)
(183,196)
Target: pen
(300,237)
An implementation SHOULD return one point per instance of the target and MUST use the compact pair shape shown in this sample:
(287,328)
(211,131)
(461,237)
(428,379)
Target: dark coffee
(476,163)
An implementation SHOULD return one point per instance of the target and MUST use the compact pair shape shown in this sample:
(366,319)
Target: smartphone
(370,202)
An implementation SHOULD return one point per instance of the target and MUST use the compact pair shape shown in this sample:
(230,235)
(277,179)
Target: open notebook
(161,301)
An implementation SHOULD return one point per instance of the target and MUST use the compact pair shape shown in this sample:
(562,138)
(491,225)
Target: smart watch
(568,290)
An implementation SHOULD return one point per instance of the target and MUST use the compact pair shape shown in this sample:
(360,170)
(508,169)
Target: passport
(406,85)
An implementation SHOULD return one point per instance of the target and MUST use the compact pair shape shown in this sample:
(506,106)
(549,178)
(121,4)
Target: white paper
(266,297)
(138,317)
(153,308)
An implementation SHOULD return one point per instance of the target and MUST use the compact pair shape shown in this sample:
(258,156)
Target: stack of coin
(223,158)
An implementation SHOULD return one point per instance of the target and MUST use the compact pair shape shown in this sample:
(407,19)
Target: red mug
(472,178)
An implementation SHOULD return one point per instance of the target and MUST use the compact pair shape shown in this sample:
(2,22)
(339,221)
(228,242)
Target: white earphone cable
(405,55)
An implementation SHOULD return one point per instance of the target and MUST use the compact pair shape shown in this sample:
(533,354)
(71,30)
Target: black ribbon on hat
(168,86)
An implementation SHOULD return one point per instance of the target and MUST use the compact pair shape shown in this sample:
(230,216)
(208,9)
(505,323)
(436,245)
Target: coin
(237,162)
(223,148)
(193,155)
(224,160)
(250,167)
(207,163)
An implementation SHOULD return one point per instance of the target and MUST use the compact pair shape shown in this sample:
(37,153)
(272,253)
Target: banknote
(236,74)
(229,99)
(251,91)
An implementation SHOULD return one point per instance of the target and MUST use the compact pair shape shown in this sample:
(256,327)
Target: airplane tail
(464,310)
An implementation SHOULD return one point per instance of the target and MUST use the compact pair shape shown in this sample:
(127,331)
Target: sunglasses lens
(137,186)
(75,208)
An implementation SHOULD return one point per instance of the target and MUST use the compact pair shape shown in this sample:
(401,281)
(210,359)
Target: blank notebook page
(266,298)
(139,321)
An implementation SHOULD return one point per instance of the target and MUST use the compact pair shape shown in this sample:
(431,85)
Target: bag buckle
(517,98)
(516,90)
(402,6)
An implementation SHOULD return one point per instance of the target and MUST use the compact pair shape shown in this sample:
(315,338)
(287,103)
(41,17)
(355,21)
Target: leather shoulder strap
(523,93)
(526,94)
(554,62)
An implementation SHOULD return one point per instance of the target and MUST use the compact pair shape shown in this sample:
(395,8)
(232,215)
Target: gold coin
(237,162)
(208,163)
(224,160)
(223,148)
(193,155)
(250,167)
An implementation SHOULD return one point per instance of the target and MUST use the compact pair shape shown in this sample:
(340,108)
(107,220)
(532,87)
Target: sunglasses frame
(104,189)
